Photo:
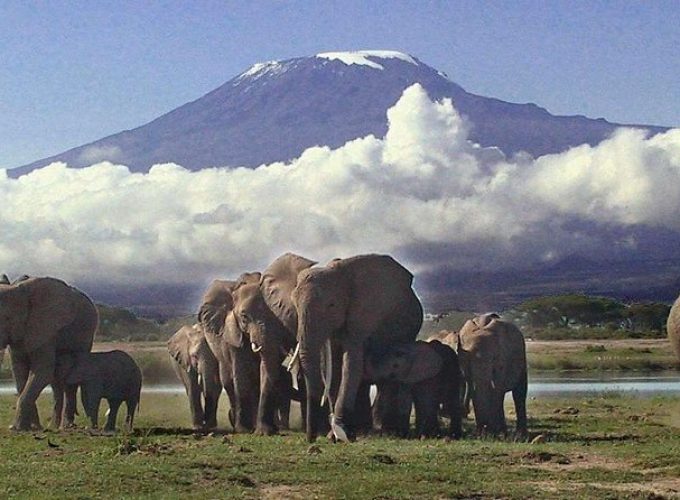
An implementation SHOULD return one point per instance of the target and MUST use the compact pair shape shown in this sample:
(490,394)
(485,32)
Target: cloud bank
(424,193)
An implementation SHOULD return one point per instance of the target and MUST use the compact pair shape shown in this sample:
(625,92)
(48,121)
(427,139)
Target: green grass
(599,358)
(595,447)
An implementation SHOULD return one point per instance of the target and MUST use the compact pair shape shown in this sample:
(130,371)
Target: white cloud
(424,193)
(95,154)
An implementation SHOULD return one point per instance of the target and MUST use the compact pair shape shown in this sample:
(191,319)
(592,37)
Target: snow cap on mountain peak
(363,57)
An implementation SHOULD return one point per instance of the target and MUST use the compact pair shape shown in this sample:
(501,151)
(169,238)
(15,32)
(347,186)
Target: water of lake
(544,384)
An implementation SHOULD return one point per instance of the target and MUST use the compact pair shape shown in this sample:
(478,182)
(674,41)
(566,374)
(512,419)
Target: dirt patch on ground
(654,489)
(658,487)
(271,492)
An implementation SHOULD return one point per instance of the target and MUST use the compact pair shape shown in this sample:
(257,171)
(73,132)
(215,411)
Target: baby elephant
(112,375)
(430,372)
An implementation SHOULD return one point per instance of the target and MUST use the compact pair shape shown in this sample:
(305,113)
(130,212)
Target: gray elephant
(492,355)
(40,319)
(198,369)
(113,376)
(673,327)
(431,375)
(253,322)
(343,309)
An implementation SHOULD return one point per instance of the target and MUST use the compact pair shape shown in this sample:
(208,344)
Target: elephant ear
(179,347)
(277,284)
(427,363)
(233,333)
(216,304)
(51,306)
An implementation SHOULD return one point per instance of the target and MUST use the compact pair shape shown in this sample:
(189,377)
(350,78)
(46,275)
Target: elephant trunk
(310,358)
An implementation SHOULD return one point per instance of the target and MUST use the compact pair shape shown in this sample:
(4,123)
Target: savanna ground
(598,446)
(606,446)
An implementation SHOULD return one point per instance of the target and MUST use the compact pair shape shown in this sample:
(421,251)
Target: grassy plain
(591,447)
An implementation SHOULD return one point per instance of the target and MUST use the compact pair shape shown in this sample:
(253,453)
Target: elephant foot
(242,429)
(265,430)
(25,428)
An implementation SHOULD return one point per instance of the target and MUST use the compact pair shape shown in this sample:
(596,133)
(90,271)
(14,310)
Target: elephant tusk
(328,378)
(255,347)
(200,380)
(296,356)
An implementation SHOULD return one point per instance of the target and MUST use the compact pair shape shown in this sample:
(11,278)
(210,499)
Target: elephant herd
(298,331)
(323,335)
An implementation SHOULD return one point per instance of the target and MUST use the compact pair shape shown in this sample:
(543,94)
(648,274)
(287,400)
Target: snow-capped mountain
(275,110)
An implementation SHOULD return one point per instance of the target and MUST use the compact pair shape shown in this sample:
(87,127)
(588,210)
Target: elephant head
(673,327)
(190,349)
(361,301)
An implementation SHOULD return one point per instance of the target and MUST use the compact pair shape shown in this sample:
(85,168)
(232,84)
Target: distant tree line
(577,312)
(118,324)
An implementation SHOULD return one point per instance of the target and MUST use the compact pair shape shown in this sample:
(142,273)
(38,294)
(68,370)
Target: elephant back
(56,309)
(384,304)
(673,327)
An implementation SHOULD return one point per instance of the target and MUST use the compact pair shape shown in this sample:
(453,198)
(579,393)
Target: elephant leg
(302,392)
(451,403)
(114,405)
(519,396)
(70,409)
(352,374)
(42,365)
(270,393)
(426,404)
(58,409)
(362,412)
(210,412)
(467,398)
(20,368)
(91,404)
(286,394)
(131,404)
(228,384)
(194,394)
(244,387)
(499,425)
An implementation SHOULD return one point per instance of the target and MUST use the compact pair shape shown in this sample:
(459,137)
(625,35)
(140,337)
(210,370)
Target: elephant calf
(112,375)
(493,359)
(198,369)
(430,372)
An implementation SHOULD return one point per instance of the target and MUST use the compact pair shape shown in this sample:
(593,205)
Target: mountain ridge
(273,111)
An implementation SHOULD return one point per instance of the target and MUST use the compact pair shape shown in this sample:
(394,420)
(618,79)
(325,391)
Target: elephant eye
(245,318)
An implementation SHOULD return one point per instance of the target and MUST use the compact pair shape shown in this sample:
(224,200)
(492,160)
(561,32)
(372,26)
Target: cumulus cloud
(424,193)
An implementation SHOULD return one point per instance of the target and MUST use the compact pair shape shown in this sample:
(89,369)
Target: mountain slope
(276,110)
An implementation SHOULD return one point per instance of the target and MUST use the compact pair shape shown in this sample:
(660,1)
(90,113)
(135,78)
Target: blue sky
(75,71)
